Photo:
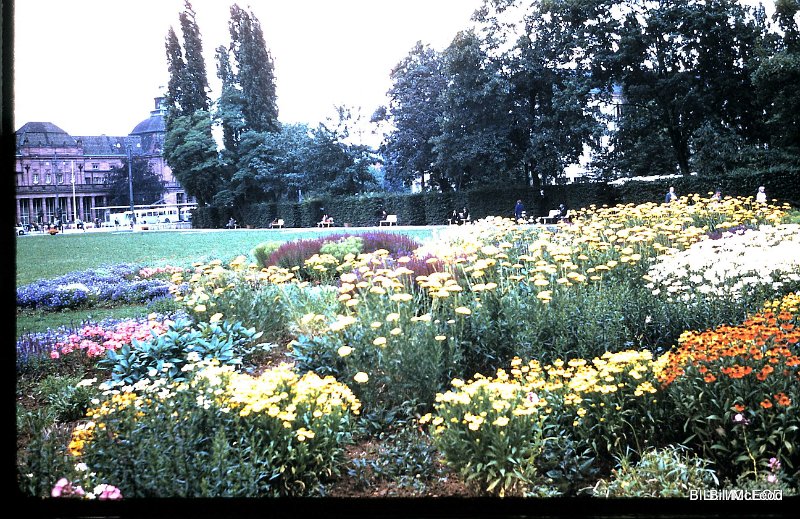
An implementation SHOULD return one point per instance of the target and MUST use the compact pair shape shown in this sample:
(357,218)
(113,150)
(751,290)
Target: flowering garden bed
(637,351)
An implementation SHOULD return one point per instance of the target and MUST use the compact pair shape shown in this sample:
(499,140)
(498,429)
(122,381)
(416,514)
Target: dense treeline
(627,87)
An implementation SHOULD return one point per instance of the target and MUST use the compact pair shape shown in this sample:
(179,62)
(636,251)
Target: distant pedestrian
(671,196)
(761,195)
(518,210)
(717,197)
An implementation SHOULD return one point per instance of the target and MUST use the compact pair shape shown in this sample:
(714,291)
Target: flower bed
(601,339)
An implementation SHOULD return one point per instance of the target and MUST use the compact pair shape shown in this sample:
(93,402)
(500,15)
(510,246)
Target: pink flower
(772,478)
(54,354)
(104,491)
(59,488)
(64,488)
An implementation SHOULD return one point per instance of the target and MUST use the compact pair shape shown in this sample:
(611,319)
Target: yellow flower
(440,337)
(501,421)
(200,308)
(216,317)
(361,377)
(463,310)
(344,351)
(379,341)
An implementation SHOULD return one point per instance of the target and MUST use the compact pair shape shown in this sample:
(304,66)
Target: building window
(60,178)
(35,178)
(87,180)
(95,165)
(47,179)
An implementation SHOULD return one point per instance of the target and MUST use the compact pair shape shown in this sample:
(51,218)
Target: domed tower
(151,133)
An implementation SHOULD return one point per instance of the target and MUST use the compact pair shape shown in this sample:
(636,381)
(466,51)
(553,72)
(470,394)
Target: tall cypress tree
(189,146)
(195,81)
(230,103)
(255,72)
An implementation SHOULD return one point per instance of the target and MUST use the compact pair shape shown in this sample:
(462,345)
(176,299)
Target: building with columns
(60,176)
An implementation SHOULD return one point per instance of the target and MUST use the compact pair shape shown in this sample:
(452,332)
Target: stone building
(60,176)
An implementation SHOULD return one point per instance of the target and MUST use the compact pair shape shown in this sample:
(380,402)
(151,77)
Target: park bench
(391,219)
(552,217)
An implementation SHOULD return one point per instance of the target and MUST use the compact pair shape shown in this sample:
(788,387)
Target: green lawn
(41,256)
(44,256)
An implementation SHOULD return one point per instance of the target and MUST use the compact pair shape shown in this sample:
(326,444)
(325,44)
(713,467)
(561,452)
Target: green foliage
(165,355)
(147,184)
(276,435)
(264,250)
(493,438)
(66,396)
(671,472)
(191,152)
(404,458)
(342,247)
(45,459)
(734,388)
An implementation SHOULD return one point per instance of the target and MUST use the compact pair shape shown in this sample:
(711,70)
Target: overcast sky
(94,67)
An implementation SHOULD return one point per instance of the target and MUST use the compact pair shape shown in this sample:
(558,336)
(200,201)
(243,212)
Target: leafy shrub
(388,337)
(238,293)
(663,473)
(396,244)
(165,355)
(610,404)
(68,396)
(263,251)
(294,253)
(735,388)
(230,434)
(44,459)
(340,248)
(491,432)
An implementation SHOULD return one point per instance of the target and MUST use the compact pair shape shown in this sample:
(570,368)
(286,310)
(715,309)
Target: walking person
(518,210)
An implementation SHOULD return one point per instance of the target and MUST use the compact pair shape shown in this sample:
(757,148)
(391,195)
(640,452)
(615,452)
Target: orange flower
(766,403)
(709,378)
(738,408)
(782,399)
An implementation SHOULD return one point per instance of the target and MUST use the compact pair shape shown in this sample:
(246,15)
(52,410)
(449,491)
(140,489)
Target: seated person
(453,217)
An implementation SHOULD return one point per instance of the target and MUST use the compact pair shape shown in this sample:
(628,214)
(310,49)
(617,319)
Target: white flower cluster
(730,266)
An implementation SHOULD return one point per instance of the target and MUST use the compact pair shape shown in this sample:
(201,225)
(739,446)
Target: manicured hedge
(434,208)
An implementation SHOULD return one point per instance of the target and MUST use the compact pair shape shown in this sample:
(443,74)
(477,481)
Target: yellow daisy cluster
(211,280)
(280,393)
(298,404)
(578,387)
(789,303)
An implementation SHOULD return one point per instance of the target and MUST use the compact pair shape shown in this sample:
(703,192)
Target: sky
(94,67)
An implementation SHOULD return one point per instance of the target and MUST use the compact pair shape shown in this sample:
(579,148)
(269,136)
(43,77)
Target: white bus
(153,215)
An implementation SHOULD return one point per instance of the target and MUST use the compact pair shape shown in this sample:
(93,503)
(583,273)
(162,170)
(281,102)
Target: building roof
(40,134)
(154,123)
(107,145)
